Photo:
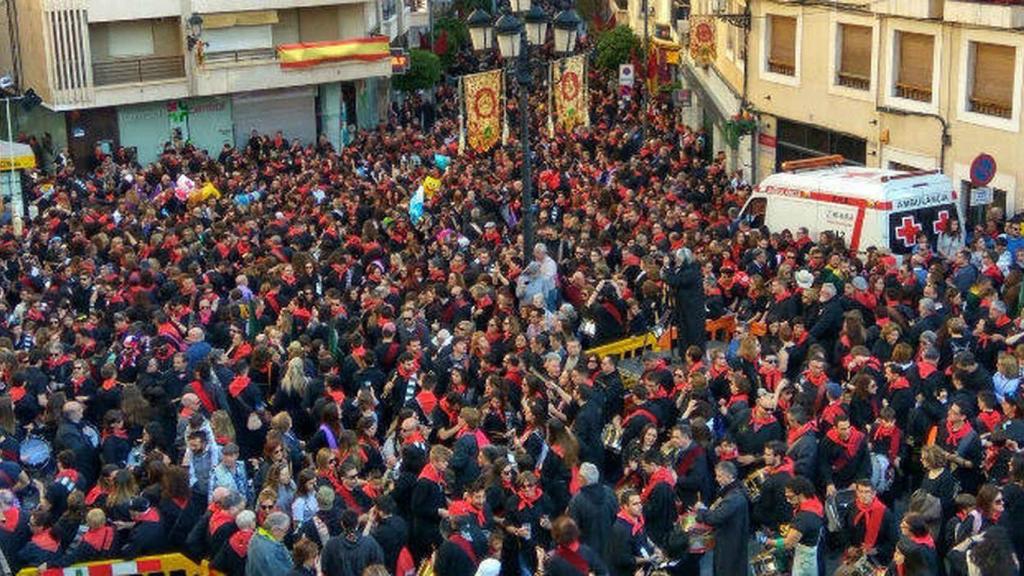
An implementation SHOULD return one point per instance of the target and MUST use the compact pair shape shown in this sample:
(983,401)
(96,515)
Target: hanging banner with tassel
(482,97)
(570,92)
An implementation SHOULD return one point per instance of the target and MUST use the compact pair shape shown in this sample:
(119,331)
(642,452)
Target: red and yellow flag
(303,54)
(482,98)
(569,83)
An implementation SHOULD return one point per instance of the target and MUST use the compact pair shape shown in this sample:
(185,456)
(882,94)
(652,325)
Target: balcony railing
(855,81)
(780,67)
(912,92)
(134,70)
(991,107)
(249,55)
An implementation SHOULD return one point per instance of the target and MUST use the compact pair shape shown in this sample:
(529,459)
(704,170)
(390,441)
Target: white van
(866,206)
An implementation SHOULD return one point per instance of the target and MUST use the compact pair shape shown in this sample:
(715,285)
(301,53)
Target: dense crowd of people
(255,357)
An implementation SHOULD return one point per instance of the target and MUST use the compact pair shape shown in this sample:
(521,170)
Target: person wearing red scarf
(147,535)
(429,505)
(570,556)
(97,543)
(526,516)
(755,429)
(630,546)
(802,441)
(962,444)
(804,530)
(844,455)
(916,539)
(770,509)
(871,525)
(659,497)
(470,439)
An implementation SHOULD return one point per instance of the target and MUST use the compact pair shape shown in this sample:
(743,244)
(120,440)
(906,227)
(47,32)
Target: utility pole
(647,55)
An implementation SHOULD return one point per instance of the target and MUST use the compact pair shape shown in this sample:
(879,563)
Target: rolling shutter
(855,59)
(916,60)
(291,111)
(783,41)
(993,74)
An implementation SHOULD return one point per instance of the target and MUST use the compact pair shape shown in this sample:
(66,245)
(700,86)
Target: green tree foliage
(616,46)
(457,37)
(424,72)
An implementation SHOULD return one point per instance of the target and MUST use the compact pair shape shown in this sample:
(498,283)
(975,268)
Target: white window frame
(766,44)
(892,67)
(835,55)
(909,158)
(966,80)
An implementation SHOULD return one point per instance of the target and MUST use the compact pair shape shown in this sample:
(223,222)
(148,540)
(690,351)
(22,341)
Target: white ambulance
(866,206)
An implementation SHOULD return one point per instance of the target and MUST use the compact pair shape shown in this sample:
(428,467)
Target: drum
(35,454)
(836,507)
(766,564)
(864,566)
(701,536)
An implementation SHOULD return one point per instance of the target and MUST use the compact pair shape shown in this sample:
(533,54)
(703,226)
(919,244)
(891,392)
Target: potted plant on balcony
(738,126)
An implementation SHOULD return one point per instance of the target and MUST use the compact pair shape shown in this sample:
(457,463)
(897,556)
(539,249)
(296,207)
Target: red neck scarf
(636,524)
(94,494)
(465,546)
(17,393)
(431,473)
(872,515)
(46,541)
(759,419)
(785,468)
(414,438)
(990,418)
(796,433)
(851,445)
(350,499)
(12,517)
(478,434)
(661,475)
(70,474)
(204,396)
(640,412)
(812,505)
(900,383)
(570,553)
(528,499)
(101,539)
(239,542)
(953,437)
(333,480)
(891,434)
(219,519)
(925,540)
(737,398)
(464,508)
(238,385)
(150,515)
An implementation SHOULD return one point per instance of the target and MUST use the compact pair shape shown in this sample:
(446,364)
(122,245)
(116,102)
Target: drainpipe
(946,139)
(743,99)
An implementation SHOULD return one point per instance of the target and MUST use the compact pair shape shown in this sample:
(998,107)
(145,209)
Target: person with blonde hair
(96,543)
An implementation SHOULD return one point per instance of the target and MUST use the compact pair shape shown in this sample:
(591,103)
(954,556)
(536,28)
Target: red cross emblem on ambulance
(907,230)
(941,222)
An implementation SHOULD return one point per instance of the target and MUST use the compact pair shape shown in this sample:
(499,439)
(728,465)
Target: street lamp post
(514,40)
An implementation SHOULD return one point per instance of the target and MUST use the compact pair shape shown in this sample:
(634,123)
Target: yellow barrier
(628,347)
(178,564)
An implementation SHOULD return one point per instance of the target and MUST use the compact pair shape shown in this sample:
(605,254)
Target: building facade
(145,72)
(907,84)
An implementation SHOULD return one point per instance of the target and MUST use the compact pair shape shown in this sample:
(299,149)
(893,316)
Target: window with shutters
(854,70)
(782,45)
(992,79)
(914,66)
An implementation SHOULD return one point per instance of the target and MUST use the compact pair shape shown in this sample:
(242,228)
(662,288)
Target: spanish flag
(303,54)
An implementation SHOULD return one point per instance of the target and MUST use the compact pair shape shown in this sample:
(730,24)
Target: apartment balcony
(919,9)
(855,81)
(1007,14)
(137,70)
(260,69)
